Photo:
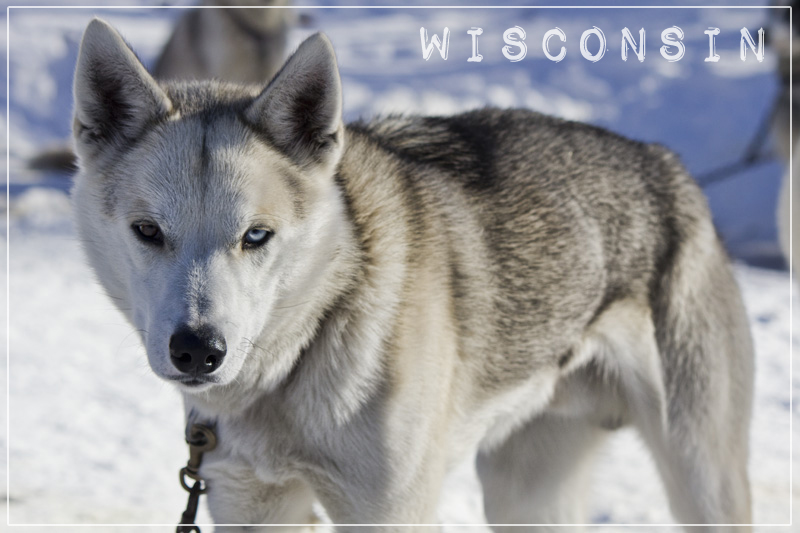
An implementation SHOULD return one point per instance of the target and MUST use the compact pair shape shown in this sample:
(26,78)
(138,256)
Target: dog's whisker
(292,305)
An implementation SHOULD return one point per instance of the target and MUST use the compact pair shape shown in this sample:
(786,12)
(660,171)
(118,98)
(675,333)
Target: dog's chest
(256,450)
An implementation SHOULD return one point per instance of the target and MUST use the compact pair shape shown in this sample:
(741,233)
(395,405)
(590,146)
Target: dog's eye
(256,237)
(148,232)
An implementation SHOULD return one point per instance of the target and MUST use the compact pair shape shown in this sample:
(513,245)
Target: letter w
(427,48)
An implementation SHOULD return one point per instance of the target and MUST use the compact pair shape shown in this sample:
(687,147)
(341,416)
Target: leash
(753,154)
(200,439)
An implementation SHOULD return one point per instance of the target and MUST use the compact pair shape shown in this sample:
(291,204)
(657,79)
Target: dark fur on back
(537,185)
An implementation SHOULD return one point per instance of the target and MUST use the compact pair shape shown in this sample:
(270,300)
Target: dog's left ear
(300,111)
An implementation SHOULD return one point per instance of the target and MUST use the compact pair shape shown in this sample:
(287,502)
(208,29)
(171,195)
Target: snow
(95,438)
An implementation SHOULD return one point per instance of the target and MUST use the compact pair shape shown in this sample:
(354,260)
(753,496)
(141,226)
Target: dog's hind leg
(707,358)
(540,473)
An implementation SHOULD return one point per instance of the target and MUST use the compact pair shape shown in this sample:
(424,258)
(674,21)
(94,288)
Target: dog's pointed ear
(115,96)
(300,111)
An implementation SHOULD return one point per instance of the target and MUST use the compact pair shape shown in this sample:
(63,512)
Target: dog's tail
(703,336)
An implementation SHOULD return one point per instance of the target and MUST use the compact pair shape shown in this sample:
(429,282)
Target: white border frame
(8,263)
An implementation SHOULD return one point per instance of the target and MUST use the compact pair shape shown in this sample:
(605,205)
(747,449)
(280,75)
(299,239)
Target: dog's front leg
(390,491)
(236,498)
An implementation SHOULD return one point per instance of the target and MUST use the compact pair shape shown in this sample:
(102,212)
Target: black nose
(197,351)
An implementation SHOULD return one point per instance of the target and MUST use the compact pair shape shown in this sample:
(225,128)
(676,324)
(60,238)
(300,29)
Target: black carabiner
(187,524)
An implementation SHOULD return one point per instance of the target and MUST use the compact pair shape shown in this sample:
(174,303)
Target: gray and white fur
(243,42)
(358,308)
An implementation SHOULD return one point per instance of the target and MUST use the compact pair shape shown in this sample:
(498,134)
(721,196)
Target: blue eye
(256,237)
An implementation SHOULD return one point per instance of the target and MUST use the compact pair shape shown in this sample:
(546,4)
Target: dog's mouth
(193,382)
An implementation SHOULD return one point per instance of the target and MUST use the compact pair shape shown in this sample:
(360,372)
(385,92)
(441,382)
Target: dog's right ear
(115,97)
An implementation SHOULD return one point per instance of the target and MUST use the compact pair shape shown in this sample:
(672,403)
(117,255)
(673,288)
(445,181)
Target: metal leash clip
(200,439)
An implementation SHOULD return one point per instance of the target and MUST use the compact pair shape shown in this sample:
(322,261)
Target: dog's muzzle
(197,351)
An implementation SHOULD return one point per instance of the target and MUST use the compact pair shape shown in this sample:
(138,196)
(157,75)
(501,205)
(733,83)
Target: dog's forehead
(202,168)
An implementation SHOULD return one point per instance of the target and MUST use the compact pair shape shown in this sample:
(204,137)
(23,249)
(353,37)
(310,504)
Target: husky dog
(240,45)
(359,308)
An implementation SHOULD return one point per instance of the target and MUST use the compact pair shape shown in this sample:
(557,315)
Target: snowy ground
(94,437)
